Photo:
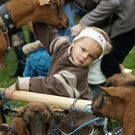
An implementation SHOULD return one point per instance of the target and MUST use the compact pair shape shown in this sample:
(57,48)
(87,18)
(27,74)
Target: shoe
(116,131)
(16,74)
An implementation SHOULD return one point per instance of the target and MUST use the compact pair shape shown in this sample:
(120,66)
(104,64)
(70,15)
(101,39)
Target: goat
(117,102)
(34,119)
(22,12)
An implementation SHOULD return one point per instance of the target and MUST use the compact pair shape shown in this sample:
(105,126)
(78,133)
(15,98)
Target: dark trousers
(21,57)
(121,46)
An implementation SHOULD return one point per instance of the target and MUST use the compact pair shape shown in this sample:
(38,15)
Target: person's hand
(76,30)
(9,91)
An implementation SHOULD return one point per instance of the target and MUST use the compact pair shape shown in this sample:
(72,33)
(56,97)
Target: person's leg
(121,46)
(32,38)
(95,90)
(21,57)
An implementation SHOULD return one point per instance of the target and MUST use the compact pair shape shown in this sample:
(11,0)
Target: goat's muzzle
(63,27)
(97,113)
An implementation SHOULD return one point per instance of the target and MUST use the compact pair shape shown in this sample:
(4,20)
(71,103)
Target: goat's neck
(129,120)
(21,13)
(129,128)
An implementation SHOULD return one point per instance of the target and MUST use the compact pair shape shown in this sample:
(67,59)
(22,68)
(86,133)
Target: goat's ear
(44,2)
(15,112)
(111,91)
(124,70)
(57,111)
(127,72)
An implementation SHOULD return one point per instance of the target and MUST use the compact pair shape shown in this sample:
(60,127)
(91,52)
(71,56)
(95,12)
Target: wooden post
(62,102)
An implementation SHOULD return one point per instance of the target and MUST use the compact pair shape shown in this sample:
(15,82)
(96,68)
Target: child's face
(85,51)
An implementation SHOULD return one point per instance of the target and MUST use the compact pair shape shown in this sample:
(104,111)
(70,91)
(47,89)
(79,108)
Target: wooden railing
(62,102)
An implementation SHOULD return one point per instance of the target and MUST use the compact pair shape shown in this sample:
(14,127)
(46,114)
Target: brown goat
(34,119)
(117,102)
(28,12)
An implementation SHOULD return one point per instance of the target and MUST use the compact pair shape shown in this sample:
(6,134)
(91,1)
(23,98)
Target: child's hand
(9,91)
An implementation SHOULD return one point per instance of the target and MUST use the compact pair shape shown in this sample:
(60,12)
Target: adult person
(120,28)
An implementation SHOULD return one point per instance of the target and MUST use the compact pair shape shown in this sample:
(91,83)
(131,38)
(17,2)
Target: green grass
(10,66)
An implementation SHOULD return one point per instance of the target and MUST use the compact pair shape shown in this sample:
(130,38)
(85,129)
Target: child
(38,61)
(68,71)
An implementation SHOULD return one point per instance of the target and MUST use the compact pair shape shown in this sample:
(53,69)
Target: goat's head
(44,11)
(36,117)
(113,102)
(52,13)
(116,97)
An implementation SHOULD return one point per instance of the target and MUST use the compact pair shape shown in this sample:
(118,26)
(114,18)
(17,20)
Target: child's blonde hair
(108,46)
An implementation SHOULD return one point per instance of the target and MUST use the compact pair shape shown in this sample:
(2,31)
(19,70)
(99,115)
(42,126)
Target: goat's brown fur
(119,101)
(3,46)
(34,119)
(30,11)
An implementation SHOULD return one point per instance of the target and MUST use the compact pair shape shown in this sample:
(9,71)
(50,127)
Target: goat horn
(44,2)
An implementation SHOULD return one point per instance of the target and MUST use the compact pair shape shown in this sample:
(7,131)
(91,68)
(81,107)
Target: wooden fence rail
(62,102)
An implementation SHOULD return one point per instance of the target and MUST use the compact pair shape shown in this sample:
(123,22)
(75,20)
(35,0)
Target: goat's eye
(106,96)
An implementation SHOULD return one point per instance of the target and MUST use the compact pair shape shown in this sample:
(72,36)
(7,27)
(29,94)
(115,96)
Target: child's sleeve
(46,34)
(61,84)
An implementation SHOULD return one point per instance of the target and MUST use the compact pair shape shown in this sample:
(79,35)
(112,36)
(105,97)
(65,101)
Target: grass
(10,66)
